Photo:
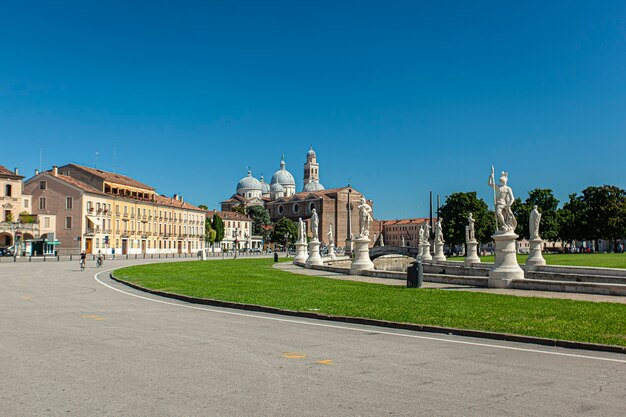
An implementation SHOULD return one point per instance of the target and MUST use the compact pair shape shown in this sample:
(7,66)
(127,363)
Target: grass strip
(255,281)
(598,260)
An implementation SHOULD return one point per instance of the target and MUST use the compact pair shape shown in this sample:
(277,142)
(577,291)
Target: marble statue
(471,232)
(426,231)
(365,218)
(439,231)
(330,234)
(315,222)
(533,224)
(402,242)
(503,196)
(421,234)
(467,234)
(301,231)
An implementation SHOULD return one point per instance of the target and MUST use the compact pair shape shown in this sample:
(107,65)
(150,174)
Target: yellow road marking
(26,298)
(325,362)
(91,316)
(293,355)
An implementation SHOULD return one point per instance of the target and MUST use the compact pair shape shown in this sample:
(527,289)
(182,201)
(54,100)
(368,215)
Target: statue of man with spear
(503,200)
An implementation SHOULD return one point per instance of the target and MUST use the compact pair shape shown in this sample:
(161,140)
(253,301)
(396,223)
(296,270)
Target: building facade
(238,232)
(395,232)
(100,211)
(281,200)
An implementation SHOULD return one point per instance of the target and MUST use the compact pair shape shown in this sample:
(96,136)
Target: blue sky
(397,97)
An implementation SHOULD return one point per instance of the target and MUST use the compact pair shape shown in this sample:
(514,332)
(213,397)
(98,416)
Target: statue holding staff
(503,200)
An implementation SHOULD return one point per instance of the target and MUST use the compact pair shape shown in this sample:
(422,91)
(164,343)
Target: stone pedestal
(361,252)
(471,257)
(331,252)
(439,256)
(314,254)
(506,267)
(426,256)
(348,247)
(536,258)
(301,253)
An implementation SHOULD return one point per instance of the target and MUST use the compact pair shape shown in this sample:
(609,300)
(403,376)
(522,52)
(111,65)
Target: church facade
(281,200)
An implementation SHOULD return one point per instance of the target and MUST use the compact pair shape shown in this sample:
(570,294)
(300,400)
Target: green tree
(454,213)
(602,213)
(260,217)
(203,207)
(283,227)
(547,205)
(209,233)
(217,225)
(571,223)
(239,209)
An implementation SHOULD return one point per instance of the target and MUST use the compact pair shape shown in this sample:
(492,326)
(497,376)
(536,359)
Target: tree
(218,226)
(239,209)
(260,217)
(203,207)
(209,233)
(454,213)
(571,224)
(547,205)
(283,227)
(602,213)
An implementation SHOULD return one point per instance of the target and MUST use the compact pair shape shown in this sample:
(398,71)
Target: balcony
(90,210)
(126,215)
(90,232)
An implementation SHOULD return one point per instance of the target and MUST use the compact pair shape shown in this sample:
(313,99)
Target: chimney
(36,172)
(181,199)
(55,171)
(17,171)
(176,197)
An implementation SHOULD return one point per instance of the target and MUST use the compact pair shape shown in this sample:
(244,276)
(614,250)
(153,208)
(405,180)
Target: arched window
(280,209)
(296,208)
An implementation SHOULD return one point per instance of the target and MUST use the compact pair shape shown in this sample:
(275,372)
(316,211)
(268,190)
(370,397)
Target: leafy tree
(218,226)
(239,209)
(602,213)
(209,233)
(260,217)
(203,207)
(283,227)
(571,224)
(454,213)
(547,205)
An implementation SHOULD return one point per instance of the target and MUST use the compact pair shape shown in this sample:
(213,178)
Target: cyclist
(100,260)
(83,260)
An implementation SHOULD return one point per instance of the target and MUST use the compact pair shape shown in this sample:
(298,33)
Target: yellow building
(100,211)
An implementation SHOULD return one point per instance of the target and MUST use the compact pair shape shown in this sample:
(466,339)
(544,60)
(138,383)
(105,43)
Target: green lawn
(604,260)
(254,281)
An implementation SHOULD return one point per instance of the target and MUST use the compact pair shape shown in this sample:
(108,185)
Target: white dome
(249,183)
(265,187)
(276,188)
(282,176)
(311,152)
(313,186)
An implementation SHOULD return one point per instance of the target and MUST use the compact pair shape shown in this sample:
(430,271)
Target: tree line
(597,212)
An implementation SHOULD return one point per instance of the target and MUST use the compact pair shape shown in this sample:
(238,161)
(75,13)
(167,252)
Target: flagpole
(493,186)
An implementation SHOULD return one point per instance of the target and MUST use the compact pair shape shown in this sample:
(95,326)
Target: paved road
(71,345)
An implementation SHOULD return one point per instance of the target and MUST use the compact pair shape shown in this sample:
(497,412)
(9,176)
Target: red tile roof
(401,222)
(172,202)
(113,177)
(7,172)
(78,184)
(229,215)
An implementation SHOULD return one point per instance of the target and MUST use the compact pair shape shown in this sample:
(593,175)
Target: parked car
(6,251)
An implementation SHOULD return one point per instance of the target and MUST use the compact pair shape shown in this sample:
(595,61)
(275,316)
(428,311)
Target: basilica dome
(313,186)
(282,176)
(248,183)
(276,188)
(265,187)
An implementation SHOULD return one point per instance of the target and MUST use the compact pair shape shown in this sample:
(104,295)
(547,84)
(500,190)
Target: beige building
(100,211)
(237,228)
(395,230)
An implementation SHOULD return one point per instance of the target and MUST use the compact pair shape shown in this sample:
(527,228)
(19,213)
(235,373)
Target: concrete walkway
(289,267)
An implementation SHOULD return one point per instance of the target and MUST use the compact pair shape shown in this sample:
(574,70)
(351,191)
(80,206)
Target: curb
(383,323)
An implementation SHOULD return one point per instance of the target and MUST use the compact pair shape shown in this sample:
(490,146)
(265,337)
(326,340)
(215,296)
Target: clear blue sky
(397,97)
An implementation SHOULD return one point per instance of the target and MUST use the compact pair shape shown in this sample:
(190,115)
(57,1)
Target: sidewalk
(289,267)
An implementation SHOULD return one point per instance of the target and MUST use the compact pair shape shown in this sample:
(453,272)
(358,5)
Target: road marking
(356,329)
(325,362)
(294,355)
(91,316)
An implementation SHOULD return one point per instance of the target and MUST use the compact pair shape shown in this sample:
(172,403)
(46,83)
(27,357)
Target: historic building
(395,230)
(100,211)
(282,200)
(237,231)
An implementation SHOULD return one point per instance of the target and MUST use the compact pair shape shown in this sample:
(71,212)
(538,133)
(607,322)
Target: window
(25,203)
(97,243)
(68,222)
(42,203)
(46,222)
(296,208)
(117,209)
(42,185)
(69,203)
(280,209)
(7,190)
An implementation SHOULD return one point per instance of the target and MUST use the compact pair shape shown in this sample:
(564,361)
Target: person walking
(83,260)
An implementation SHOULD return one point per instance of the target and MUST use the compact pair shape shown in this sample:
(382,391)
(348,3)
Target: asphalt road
(72,343)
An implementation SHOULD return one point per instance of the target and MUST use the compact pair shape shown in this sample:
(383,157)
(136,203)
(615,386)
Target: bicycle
(82,264)
(99,263)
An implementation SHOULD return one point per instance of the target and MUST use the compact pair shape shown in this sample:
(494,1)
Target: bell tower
(311,168)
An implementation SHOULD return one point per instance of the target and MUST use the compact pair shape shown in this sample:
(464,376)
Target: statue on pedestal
(402,242)
(503,200)
(301,231)
(426,228)
(330,234)
(533,223)
(439,231)
(315,222)
(365,218)
(471,232)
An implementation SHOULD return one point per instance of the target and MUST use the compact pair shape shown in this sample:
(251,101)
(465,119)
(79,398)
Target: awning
(55,243)
(93,219)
